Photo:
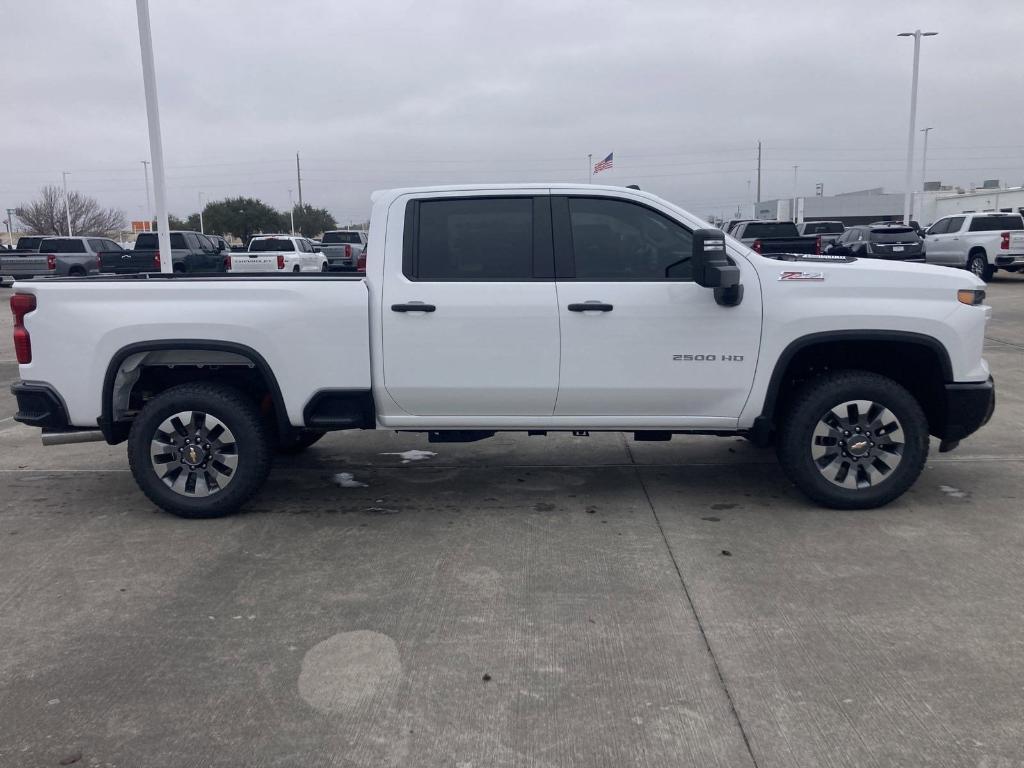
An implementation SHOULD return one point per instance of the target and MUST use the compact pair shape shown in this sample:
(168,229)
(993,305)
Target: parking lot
(522,601)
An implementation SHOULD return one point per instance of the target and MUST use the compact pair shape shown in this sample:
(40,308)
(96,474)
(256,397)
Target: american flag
(605,164)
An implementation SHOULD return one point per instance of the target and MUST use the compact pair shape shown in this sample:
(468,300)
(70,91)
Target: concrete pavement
(518,602)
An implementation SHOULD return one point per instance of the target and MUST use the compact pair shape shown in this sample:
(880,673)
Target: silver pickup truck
(979,242)
(64,256)
(344,248)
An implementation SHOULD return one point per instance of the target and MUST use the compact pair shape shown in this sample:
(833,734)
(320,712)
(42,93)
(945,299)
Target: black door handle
(591,306)
(413,307)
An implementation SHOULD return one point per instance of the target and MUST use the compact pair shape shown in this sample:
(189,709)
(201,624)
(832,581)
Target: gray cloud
(404,93)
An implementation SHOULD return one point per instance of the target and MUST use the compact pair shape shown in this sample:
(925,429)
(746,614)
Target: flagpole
(590,169)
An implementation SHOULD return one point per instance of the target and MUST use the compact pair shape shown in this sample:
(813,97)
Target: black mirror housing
(712,268)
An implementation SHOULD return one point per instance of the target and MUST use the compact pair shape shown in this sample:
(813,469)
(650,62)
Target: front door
(639,337)
(470,319)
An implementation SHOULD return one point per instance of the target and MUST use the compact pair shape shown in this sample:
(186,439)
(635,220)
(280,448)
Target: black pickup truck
(775,237)
(190,252)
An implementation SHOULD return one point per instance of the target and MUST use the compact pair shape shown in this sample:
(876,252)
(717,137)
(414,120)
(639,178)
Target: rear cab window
(271,244)
(62,245)
(996,223)
(146,242)
(771,229)
(341,238)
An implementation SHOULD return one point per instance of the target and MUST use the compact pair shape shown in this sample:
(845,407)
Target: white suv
(980,242)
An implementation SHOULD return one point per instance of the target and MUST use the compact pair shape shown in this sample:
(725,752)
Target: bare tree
(47,215)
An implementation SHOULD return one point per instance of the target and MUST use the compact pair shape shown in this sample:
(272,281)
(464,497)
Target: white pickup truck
(278,253)
(515,307)
(979,242)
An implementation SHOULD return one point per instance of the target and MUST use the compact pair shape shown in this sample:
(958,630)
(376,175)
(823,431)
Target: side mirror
(712,268)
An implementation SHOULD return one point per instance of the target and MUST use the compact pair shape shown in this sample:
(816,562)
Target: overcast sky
(388,93)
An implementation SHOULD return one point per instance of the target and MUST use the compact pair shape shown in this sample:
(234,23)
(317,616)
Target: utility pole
(67,202)
(149,206)
(291,211)
(908,195)
(590,168)
(156,145)
(794,216)
(759,172)
(924,159)
(298,173)
(10,226)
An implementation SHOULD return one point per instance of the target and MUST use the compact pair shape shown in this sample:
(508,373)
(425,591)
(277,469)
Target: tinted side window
(939,227)
(474,239)
(994,223)
(620,240)
(97,245)
(954,224)
(204,242)
(178,241)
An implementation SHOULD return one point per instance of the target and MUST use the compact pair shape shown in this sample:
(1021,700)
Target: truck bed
(312,330)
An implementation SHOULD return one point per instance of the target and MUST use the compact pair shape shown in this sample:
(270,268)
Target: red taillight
(51,262)
(361,262)
(280,261)
(348,251)
(156,261)
(817,246)
(756,245)
(1004,244)
(21,305)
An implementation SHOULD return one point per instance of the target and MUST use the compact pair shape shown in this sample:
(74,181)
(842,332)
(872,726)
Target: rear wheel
(76,272)
(853,440)
(199,450)
(978,265)
(179,269)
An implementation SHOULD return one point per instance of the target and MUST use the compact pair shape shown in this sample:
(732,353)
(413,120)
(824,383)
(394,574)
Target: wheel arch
(917,361)
(115,428)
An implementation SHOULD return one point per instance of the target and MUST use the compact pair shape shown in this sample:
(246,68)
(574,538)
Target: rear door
(655,343)
(943,241)
(469,318)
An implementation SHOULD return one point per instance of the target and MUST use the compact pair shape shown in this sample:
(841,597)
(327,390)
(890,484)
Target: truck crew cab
(490,308)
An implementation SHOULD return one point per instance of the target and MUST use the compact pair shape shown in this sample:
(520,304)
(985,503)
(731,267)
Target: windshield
(271,244)
(771,229)
(823,228)
(334,238)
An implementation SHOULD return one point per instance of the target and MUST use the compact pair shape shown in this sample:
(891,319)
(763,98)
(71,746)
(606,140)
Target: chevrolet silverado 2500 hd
(514,307)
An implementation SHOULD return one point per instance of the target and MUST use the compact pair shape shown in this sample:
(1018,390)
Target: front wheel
(199,450)
(853,440)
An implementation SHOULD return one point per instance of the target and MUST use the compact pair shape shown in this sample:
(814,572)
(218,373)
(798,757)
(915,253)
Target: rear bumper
(968,408)
(1009,260)
(40,406)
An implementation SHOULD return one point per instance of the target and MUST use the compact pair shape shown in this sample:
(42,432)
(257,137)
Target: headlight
(970,296)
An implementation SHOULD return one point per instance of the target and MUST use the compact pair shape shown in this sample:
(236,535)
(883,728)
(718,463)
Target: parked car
(979,242)
(278,253)
(65,256)
(828,231)
(472,319)
(879,241)
(344,249)
(775,237)
(191,252)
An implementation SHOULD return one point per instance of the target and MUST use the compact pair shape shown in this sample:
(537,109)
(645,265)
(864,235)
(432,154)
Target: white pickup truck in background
(533,308)
(979,242)
(278,253)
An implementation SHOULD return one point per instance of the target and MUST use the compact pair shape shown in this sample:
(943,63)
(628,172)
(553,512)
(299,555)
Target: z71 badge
(802,276)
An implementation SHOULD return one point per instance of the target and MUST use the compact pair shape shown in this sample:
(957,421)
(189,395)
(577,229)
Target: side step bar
(78,436)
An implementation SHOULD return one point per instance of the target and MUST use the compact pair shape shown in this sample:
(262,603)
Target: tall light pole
(924,158)
(149,206)
(795,169)
(156,146)
(908,196)
(10,226)
(67,202)
(590,169)
(291,211)
(201,228)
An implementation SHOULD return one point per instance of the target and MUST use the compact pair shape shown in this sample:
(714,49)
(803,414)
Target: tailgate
(1017,241)
(129,262)
(254,262)
(25,264)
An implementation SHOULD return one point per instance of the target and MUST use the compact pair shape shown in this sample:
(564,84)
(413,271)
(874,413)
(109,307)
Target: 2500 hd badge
(709,358)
